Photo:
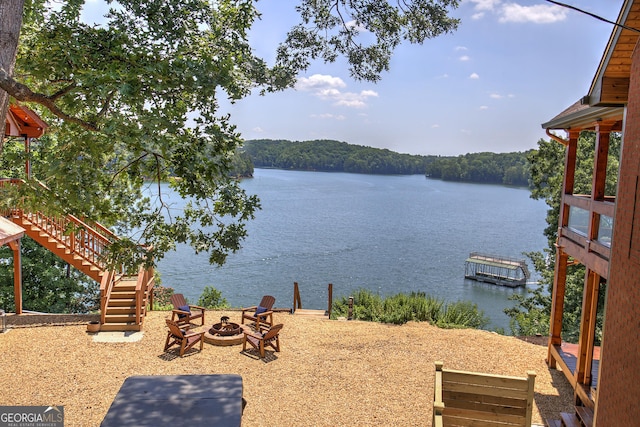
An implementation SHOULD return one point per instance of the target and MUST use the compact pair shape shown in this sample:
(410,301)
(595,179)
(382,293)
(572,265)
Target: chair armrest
(197,306)
(192,334)
(264,314)
(253,307)
(186,313)
(257,335)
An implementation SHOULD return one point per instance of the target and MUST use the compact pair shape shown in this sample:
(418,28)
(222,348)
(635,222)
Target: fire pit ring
(225,329)
(225,333)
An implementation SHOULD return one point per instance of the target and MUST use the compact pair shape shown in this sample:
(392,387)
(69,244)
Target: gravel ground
(328,373)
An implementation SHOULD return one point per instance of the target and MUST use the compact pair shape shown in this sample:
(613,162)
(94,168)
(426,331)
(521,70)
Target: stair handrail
(144,285)
(88,242)
(106,286)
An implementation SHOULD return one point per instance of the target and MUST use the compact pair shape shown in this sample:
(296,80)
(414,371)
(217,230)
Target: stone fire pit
(225,333)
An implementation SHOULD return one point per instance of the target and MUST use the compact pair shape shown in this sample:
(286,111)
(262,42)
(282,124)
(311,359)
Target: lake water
(389,234)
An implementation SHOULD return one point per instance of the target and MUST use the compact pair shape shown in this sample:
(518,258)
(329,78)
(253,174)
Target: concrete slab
(113,336)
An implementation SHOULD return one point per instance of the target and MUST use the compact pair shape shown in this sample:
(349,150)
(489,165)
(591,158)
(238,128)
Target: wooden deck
(566,355)
(311,313)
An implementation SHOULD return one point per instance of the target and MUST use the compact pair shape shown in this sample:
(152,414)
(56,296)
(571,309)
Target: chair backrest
(267,302)
(466,398)
(178,300)
(174,328)
(272,332)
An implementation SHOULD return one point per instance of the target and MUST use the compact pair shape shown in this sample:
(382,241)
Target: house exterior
(602,233)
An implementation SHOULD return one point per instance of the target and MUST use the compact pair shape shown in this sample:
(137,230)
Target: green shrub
(416,306)
(212,298)
(462,314)
(161,298)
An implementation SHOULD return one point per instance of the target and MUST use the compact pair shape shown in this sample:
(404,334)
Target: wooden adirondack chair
(260,341)
(261,314)
(183,338)
(184,313)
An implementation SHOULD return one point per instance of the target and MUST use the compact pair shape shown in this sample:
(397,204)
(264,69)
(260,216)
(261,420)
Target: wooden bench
(472,399)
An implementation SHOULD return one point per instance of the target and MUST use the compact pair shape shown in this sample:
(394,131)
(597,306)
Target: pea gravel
(328,373)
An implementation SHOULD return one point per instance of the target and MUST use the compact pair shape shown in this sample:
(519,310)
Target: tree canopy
(134,99)
(487,168)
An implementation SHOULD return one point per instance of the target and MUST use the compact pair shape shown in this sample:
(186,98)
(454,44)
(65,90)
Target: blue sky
(510,66)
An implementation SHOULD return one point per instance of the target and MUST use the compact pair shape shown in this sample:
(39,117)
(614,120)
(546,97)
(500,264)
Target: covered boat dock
(498,270)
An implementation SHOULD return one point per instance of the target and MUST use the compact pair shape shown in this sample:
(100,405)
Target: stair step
(123,295)
(124,287)
(585,414)
(570,420)
(123,310)
(120,318)
(553,423)
(125,302)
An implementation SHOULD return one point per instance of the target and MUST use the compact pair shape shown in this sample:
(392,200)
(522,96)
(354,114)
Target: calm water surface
(389,234)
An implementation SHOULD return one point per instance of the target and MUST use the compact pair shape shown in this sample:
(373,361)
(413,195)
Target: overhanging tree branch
(23,93)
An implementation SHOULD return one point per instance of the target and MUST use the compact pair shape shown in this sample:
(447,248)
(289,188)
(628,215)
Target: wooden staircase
(582,417)
(123,299)
(121,311)
(81,248)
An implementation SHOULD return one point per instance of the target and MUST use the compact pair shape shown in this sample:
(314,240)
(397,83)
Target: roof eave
(586,118)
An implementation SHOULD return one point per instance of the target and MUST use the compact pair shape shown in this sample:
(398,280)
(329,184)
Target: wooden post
(350,315)
(297,301)
(587,328)
(17,275)
(330,292)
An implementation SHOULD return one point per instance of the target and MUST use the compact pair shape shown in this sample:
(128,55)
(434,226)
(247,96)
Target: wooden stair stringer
(59,247)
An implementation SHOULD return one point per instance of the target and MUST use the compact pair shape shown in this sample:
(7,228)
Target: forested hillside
(333,156)
(489,168)
(336,156)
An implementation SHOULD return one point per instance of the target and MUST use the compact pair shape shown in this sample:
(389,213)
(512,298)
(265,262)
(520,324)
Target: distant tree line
(486,168)
(333,156)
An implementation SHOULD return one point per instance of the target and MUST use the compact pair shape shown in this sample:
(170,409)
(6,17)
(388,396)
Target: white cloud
(485,5)
(258,129)
(484,107)
(319,81)
(464,58)
(435,126)
(474,76)
(496,96)
(352,24)
(514,12)
(328,116)
(538,14)
(354,100)
(328,88)
(460,48)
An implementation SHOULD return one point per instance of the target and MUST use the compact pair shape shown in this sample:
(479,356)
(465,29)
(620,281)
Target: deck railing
(144,291)
(586,233)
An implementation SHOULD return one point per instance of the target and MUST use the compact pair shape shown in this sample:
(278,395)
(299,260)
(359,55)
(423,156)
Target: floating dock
(495,269)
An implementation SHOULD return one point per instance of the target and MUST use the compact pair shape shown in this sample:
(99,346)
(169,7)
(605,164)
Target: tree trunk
(10,24)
